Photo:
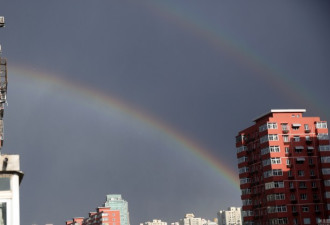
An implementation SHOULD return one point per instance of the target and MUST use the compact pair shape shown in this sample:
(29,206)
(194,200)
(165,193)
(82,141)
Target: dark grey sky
(204,68)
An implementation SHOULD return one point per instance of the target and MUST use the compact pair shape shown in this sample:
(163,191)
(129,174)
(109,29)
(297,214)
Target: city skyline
(145,98)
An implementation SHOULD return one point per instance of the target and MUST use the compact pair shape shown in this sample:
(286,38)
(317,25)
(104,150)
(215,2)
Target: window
(272,125)
(242,159)
(269,137)
(327,194)
(296,138)
(325,159)
(285,138)
(270,173)
(3,212)
(323,148)
(241,149)
(298,149)
(277,196)
(312,173)
(265,162)
(310,161)
(292,197)
(323,136)
(245,180)
(288,162)
(287,150)
(305,208)
(291,185)
(283,220)
(307,221)
(275,148)
(285,126)
(313,184)
(264,151)
(246,191)
(327,183)
(316,208)
(267,126)
(301,173)
(308,138)
(306,126)
(276,160)
(303,196)
(300,160)
(276,209)
(321,124)
(275,184)
(247,202)
(326,171)
(4,183)
(302,184)
(243,170)
(239,138)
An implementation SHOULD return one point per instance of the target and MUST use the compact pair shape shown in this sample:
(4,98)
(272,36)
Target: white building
(154,222)
(191,220)
(232,216)
(10,178)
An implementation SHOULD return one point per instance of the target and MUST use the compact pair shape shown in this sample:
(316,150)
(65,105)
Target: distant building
(154,222)
(232,216)
(115,202)
(102,216)
(190,219)
(284,169)
(209,222)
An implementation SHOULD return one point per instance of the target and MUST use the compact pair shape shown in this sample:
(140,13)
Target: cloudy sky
(144,98)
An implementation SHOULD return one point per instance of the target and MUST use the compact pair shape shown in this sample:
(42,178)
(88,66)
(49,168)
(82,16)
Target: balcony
(293,201)
(285,130)
(295,213)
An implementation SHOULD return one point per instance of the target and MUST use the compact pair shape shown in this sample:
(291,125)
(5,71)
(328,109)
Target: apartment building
(231,216)
(102,216)
(284,169)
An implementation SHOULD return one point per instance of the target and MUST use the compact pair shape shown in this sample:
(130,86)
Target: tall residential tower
(284,169)
(115,202)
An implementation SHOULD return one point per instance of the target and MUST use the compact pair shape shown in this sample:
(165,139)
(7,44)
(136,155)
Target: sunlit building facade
(190,219)
(154,222)
(231,216)
(284,169)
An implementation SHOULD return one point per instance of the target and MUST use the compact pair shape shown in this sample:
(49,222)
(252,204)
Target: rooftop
(280,111)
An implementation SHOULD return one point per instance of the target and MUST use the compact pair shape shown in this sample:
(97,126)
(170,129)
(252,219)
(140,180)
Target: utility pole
(10,174)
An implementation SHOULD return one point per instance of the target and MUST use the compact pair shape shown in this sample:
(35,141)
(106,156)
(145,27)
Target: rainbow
(101,99)
(272,75)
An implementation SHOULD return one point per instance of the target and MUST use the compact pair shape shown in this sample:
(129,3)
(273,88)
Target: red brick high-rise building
(284,169)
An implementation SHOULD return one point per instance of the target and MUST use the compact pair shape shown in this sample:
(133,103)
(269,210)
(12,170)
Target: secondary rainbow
(98,97)
(288,86)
